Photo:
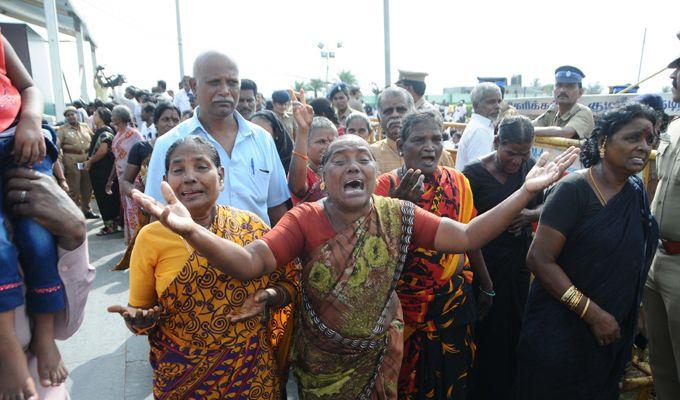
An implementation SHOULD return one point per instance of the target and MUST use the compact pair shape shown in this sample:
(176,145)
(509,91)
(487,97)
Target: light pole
(328,54)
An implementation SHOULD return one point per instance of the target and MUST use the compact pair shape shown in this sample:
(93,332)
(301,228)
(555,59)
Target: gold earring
(602,150)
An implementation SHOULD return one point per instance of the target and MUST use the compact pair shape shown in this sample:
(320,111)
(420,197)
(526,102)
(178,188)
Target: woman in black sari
(99,164)
(590,256)
(493,178)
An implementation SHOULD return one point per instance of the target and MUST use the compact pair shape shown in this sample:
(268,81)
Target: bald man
(254,179)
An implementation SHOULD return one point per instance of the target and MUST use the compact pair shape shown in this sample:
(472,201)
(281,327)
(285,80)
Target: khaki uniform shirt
(77,137)
(424,105)
(579,117)
(666,203)
(343,116)
(289,123)
(388,158)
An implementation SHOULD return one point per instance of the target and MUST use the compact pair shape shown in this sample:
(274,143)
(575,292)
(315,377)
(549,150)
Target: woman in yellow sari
(200,347)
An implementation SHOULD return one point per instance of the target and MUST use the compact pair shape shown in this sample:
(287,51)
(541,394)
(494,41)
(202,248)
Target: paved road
(105,360)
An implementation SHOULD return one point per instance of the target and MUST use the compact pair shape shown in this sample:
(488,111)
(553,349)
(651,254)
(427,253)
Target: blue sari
(606,257)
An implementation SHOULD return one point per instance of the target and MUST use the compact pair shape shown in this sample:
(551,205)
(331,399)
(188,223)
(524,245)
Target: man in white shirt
(460,112)
(148,129)
(477,139)
(254,178)
(182,99)
(128,100)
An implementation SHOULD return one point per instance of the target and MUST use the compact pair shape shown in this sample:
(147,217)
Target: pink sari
(121,145)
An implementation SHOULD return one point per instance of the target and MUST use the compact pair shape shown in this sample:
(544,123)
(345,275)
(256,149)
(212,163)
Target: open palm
(173,215)
(303,112)
(545,173)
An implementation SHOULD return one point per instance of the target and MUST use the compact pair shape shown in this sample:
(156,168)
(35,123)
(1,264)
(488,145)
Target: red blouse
(306,227)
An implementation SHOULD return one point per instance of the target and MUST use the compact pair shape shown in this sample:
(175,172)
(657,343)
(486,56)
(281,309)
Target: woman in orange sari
(201,347)
(352,245)
(435,288)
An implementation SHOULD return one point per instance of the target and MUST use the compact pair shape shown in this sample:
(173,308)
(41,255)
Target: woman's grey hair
(353,139)
(322,123)
(396,90)
(481,91)
(360,116)
(199,141)
(411,119)
(122,113)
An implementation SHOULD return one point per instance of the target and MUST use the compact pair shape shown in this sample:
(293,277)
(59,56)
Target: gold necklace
(597,188)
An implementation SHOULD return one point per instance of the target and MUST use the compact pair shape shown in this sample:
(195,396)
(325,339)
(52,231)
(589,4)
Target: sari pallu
(142,217)
(195,352)
(120,146)
(437,302)
(607,258)
(348,340)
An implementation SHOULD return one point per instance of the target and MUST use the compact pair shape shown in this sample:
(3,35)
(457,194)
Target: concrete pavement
(104,359)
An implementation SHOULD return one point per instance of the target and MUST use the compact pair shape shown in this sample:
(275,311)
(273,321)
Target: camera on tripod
(110,81)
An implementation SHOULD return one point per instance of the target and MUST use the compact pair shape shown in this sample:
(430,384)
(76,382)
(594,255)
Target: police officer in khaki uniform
(414,83)
(74,143)
(662,291)
(566,117)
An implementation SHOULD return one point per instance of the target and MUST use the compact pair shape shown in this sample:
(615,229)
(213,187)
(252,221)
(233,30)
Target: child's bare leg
(15,380)
(51,368)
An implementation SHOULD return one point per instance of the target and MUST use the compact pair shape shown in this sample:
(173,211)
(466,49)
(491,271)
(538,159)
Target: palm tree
(347,77)
(316,85)
(301,85)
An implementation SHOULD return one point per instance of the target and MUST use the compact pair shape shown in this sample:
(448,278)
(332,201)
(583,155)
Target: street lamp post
(328,54)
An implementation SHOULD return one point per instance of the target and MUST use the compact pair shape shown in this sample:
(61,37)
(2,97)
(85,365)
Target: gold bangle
(568,294)
(585,309)
(302,156)
(572,297)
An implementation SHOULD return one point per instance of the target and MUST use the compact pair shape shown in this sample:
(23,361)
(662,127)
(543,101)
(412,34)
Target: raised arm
(454,237)
(297,173)
(243,263)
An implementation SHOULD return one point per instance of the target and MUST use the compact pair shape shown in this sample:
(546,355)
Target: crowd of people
(268,238)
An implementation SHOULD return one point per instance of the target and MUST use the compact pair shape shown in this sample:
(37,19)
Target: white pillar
(51,23)
(93,53)
(81,61)
(386,26)
(179,42)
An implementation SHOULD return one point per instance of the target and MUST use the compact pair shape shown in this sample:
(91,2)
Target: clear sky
(274,42)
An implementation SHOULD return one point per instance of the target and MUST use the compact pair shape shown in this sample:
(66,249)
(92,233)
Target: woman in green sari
(352,245)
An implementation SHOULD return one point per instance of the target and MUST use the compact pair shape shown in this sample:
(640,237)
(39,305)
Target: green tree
(301,85)
(316,85)
(594,88)
(548,89)
(347,77)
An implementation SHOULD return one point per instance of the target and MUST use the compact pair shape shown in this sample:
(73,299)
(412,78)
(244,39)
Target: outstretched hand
(173,216)
(254,305)
(545,173)
(137,318)
(410,188)
(303,112)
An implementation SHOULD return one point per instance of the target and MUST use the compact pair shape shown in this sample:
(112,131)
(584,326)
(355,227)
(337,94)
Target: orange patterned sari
(196,353)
